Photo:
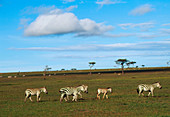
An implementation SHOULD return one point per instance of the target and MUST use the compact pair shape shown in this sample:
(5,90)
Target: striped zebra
(74,91)
(34,92)
(104,91)
(147,87)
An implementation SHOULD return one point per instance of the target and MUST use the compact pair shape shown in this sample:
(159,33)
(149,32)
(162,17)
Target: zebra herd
(75,91)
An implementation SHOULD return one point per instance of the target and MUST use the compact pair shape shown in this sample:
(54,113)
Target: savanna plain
(123,101)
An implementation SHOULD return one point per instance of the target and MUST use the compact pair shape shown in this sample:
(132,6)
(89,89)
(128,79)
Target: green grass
(124,100)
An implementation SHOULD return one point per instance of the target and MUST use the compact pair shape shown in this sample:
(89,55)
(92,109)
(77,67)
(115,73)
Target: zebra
(74,91)
(104,91)
(36,91)
(147,87)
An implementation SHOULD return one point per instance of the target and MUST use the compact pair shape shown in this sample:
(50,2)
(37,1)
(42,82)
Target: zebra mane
(80,85)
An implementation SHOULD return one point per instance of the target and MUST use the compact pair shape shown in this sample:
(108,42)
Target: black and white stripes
(36,91)
(75,91)
(147,87)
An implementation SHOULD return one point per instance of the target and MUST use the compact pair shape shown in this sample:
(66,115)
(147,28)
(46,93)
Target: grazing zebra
(36,91)
(148,87)
(75,91)
(104,91)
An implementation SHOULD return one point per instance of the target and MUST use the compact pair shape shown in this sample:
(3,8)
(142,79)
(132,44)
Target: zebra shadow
(81,99)
(42,101)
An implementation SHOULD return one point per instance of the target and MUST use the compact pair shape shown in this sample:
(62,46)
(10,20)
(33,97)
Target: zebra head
(158,85)
(44,89)
(84,88)
(109,89)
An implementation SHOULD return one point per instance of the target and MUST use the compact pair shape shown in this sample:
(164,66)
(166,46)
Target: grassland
(124,100)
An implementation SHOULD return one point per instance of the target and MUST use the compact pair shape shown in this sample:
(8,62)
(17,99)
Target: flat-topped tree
(91,64)
(46,70)
(133,62)
(122,62)
(168,63)
(130,63)
(143,65)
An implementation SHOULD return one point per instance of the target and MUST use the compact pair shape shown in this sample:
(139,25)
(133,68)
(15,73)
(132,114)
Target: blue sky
(70,33)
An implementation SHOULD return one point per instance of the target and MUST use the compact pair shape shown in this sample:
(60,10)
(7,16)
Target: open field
(124,100)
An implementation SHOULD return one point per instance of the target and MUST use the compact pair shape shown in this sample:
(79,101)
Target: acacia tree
(133,62)
(130,63)
(168,63)
(122,62)
(91,64)
(46,69)
(143,65)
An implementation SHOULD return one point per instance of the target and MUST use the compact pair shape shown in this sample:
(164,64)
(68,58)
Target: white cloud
(91,28)
(24,22)
(152,45)
(66,1)
(120,35)
(40,9)
(56,22)
(141,10)
(168,24)
(165,30)
(107,2)
(71,8)
(148,36)
(141,26)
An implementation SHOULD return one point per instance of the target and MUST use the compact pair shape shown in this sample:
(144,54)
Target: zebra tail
(137,90)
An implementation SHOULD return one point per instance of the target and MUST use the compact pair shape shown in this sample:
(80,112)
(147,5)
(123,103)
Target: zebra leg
(106,96)
(139,92)
(61,98)
(152,93)
(30,99)
(25,99)
(80,95)
(98,96)
(142,92)
(67,97)
(26,96)
(39,98)
(74,98)
(149,94)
